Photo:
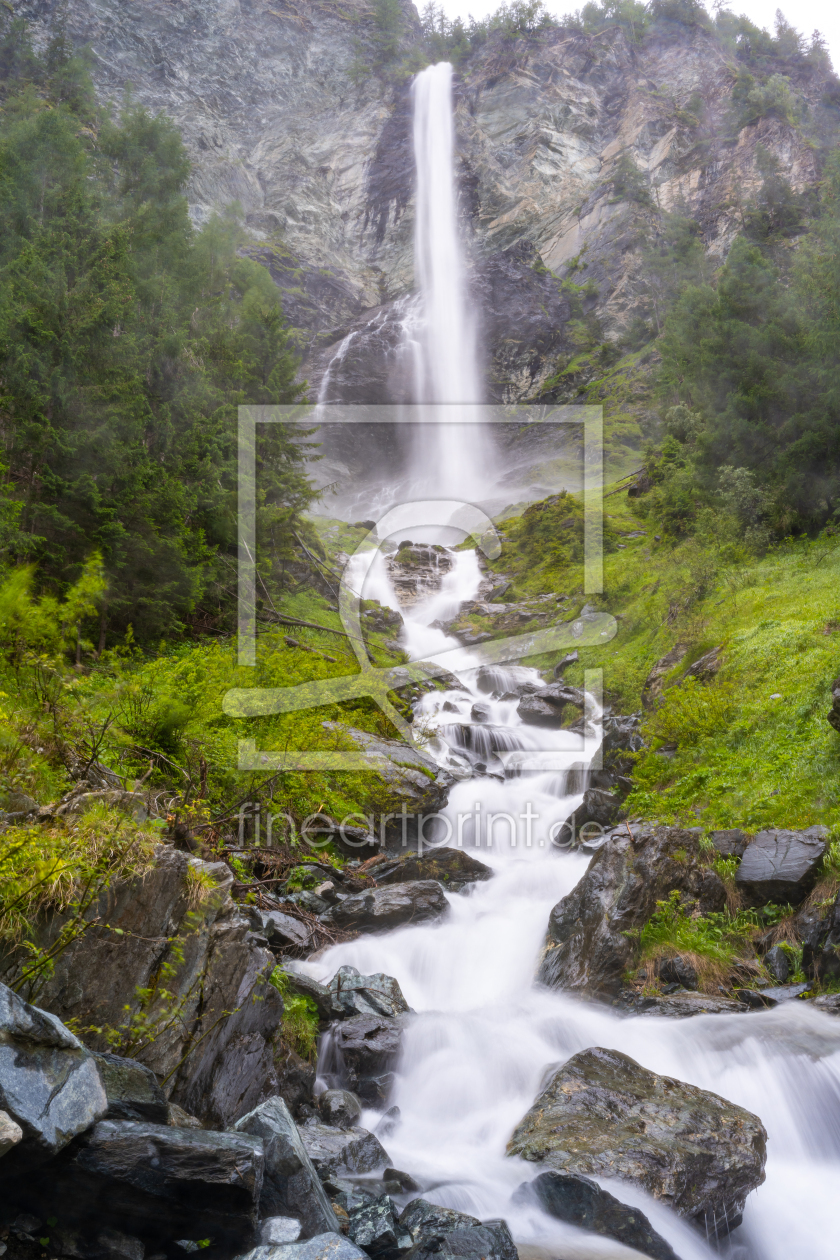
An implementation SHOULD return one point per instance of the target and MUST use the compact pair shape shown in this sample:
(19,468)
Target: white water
(484,1038)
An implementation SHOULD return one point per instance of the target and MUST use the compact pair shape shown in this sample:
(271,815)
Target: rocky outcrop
(342,1152)
(603,1115)
(339,1108)
(781,866)
(380,909)
(588,948)
(354,994)
(580,1201)
(550,705)
(417,570)
(821,946)
(423,1219)
(453,868)
(375,1228)
(322,1247)
(367,1049)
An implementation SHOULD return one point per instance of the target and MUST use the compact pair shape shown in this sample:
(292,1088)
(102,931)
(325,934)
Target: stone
(339,1108)
(602,1114)
(453,868)
(368,1048)
(480,713)
(828,1003)
(774,994)
(282,930)
(821,944)
(132,1090)
(342,1152)
(180,1119)
(652,688)
(295,1078)
(49,1084)
(303,984)
(570,658)
(380,909)
(599,806)
(678,971)
(546,707)
(424,1220)
(588,948)
(684,1005)
(10,1133)
(153,1181)
(781,866)
(777,962)
(581,1202)
(291,1185)
(279,1229)
(355,994)
(731,843)
(375,1228)
(322,1247)
(491,1240)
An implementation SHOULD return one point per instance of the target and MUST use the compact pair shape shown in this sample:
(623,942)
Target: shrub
(300,1016)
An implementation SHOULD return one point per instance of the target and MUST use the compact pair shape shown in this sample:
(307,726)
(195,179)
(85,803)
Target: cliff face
(264,95)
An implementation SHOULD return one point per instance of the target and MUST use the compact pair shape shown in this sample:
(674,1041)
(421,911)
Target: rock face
(50,1089)
(602,1114)
(354,994)
(453,868)
(380,909)
(423,1219)
(587,948)
(580,1201)
(781,866)
(376,1229)
(367,1048)
(219,966)
(547,707)
(489,1241)
(132,1090)
(322,1247)
(417,569)
(339,1152)
(821,948)
(290,1185)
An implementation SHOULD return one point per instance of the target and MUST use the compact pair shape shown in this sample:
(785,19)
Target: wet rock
(774,994)
(291,1185)
(380,909)
(49,1084)
(678,971)
(731,843)
(275,1230)
(180,1119)
(342,1152)
(132,1090)
(580,1201)
(154,1181)
(339,1108)
(587,947)
(394,1177)
(320,994)
(423,1219)
(375,1228)
(354,994)
(10,1133)
(570,658)
(652,689)
(281,930)
(322,1247)
(480,713)
(295,1078)
(821,944)
(489,1241)
(368,1048)
(454,868)
(828,1003)
(781,866)
(547,706)
(602,1114)
(684,1005)
(417,570)
(600,807)
(777,962)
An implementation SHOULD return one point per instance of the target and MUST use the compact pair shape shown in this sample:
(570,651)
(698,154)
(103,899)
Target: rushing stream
(475,1056)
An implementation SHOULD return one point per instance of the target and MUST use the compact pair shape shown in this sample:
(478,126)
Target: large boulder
(588,948)
(821,948)
(342,1152)
(652,689)
(453,868)
(380,909)
(153,1181)
(602,1114)
(600,806)
(580,1201)
(132,1090)
(423,1219)
(367,1048)
(322,1247)
(548,706)
(354,994)
(491,1240)
(10,1133)
(50,1088)
(339,1108)
(781,866)
(291,1185)
(375,1227)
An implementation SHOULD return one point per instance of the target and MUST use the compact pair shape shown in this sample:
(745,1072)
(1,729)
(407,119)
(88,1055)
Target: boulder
(581,1202)
(705,668)
(546,707)
(489,1241)
(275,1230)
(342,1152)
(339,1108)
(50,1088)
(820,935)
(781,866)
(291,1185)
(602,1114)
(354,994)
(380,909)
(153,1181)
(683,1005)
(132,1090)
(284,931)
(376,1229)
(599,805)
(323,1247)
(10,1133)
(778,963)
(730,843)
(423,1219)
(295,1077)
(367,1048)
(828,1003)
(678,971)
(588,948)
(453,868)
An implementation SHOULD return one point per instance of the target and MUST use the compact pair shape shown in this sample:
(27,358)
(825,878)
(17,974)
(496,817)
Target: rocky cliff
(320,161)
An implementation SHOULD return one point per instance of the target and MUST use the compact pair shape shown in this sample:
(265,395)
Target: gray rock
(423,1219)
(652,689)
(480,713)
(374,1227)
(774,994)
(600,806)
(341,1152)
(10,1133)
(368,1048)
(49,1084)
(678,971)
(777,962)
(489,1241)
(291,1185)
(180,1119)
(603,1115)
(354,994)
(339,1108)
(706,667)
(282,930)
(821,943)
(684,1005)
(731,843)
(275,1230)
(322,1247)
(781,866)
(300,983)
(588,948)
(453,868)
(132,1090)
(380,909)
(580,1201)
(834,712)
(547,706)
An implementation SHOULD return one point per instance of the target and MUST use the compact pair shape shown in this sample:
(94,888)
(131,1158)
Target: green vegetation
(300,1017)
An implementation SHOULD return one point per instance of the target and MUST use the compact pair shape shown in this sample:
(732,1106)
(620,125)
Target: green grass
(300,1017)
